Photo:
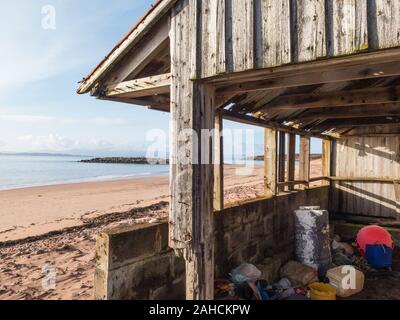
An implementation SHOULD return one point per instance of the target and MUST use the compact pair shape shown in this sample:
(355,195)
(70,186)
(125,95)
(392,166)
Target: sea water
(20,171)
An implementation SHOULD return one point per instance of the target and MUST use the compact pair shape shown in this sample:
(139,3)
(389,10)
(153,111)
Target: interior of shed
(351,103)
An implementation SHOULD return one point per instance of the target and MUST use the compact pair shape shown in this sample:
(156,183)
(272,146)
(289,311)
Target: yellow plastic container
(322,291)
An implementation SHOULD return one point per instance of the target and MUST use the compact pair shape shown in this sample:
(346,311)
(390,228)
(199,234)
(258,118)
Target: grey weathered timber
(218,143)
(149,86)
(357,122)
(281,159)
(291,162)
(366,169)
(156,42)
(308,30)
(270,161)
(240,35)
(396,186)
(326,159)
(272,40)
(379,110)
(213,37)
(333,75)
(360,63)
(233,116)
(192,110)
(347,26)
(337,99)
(123,48)
(383,23)
(304,161)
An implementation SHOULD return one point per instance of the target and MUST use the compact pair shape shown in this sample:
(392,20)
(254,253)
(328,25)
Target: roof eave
(156,12)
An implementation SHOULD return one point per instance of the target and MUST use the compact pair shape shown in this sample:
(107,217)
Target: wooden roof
(136,34)
(338,92)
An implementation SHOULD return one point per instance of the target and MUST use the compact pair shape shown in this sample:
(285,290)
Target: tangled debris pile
(323,269)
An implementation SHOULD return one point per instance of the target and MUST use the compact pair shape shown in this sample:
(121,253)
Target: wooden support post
(396,185)
(291,159)
(270,163)
(191,208)
(218,162)
(191,222)
(326,160)
(282,159)
(304,163)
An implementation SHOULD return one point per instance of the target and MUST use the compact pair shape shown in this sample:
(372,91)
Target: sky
(47,47)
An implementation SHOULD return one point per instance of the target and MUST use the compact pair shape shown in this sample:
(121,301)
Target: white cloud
(44,143)
(2,143)
(57,143)
(32,119)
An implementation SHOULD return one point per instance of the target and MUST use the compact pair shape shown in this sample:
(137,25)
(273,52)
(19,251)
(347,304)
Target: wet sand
(56,226)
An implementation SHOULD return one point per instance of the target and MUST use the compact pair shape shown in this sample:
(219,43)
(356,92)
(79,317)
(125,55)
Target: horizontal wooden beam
(311,78)
(355,122)
(159,84)
(237,117)
(160,103)
(316,179)
(385,109)
(366,179)
(359,97)
(292,183)
(344,62)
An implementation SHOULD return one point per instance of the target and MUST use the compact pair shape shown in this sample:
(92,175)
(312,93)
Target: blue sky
(39,109)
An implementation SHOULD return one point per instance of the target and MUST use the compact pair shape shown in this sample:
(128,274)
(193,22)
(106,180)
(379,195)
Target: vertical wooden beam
(347,26)
(213,37)
(272,40)
(304,163)
(308,30)
(326,159)
(192,174)
(270,163)
(218,162)
(291,159)
(383,24)
(240,22)
(281,159)
(396,185)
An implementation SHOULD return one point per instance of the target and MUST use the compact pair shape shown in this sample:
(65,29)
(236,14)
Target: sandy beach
(57,226)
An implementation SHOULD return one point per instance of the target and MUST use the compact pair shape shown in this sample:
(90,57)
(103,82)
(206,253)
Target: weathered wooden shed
(312,68)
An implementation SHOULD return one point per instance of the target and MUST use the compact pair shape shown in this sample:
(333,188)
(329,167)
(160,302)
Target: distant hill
(125,160)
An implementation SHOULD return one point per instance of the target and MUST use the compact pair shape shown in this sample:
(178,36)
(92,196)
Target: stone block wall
(136,262)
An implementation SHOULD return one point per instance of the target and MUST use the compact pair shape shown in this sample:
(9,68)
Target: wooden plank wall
(240,35)
(372,157)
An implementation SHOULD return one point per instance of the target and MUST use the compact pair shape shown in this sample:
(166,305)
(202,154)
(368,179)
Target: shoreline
(32,211)
(68,218)
(37,210)
(86,180)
